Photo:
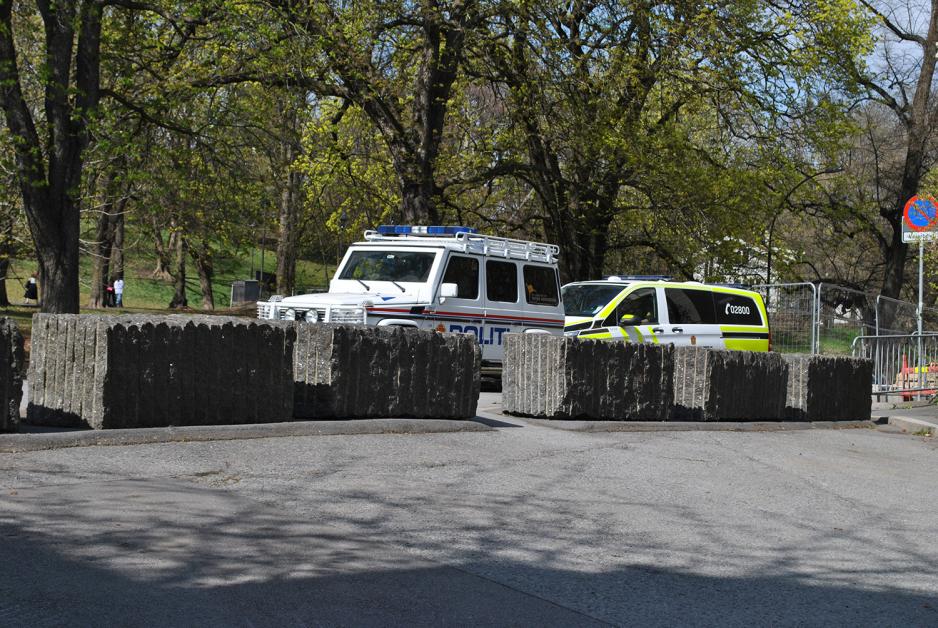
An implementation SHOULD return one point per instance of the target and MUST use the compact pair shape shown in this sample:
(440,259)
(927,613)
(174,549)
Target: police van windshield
(586,299)
(380,265)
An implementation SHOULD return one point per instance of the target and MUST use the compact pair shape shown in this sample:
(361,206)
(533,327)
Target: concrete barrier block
(345,371)
(569,378)
(828,388)
(107,371)
(715,385)
(12,359)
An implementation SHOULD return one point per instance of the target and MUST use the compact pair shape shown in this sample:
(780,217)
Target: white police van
(441,278)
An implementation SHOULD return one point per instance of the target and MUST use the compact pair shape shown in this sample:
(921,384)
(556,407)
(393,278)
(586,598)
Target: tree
(272,121)
(599,93)
(290,192)
(902,84)
(107,245)
(198,184)
(49,163)
(398,61)
(348,173)
(14,235)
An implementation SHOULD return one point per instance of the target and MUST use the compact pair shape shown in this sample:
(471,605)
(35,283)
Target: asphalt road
(521,525)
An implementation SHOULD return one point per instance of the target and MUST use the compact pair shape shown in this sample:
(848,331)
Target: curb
(879,406)
(696,426)
(912,426)
(24,442)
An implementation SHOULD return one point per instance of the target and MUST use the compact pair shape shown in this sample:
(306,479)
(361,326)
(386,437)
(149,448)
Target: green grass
(143,293)
(838,339)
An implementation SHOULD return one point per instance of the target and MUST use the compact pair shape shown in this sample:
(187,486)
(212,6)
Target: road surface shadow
(169,552)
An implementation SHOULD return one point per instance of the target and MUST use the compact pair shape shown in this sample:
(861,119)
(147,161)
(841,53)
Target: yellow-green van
(662,312)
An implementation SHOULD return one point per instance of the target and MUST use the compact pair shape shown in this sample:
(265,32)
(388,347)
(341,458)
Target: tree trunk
(203,264)
(101,251)
(179,277)
(5,252)
(289,210)
(163,263)
(162,250)
(117,241)
(581,229)
(584,252)
(4,269)
(58,274)
(895,255)
(419,203)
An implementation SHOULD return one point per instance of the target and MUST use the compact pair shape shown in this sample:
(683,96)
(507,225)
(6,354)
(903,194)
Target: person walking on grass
(119,292)
(31,293)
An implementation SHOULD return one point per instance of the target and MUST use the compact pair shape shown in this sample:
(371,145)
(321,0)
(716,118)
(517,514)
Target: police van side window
(464,272)
(540,285)
(690,307)
(638,308)
(736,309)
(501,281)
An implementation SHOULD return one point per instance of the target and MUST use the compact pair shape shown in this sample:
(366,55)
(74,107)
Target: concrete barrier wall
(358,372)
(12,359)
(829,388)
(714,385)
(568,378)
(149,371)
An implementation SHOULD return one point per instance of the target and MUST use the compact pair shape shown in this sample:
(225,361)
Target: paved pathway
(519,525)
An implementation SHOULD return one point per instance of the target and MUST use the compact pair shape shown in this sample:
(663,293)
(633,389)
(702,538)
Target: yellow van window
(638,308)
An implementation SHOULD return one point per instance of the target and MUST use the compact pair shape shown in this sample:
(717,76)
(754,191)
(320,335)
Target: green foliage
(661,126)
(672,137)
(347,169)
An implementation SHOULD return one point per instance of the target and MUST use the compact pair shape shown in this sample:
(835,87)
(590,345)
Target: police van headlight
(348,315)
(289,314)
(311,316)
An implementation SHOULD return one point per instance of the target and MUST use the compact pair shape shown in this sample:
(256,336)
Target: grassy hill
(143,293)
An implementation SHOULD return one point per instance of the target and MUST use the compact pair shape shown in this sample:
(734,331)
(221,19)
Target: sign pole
(921,273)
(919,222)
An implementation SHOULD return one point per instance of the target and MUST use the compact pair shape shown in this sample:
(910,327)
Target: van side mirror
(628,319)
(449,290)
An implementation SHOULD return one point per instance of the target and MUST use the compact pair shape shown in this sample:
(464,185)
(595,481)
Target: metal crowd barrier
(904,365)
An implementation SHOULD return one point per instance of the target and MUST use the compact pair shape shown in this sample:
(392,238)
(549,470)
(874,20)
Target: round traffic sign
(920,213)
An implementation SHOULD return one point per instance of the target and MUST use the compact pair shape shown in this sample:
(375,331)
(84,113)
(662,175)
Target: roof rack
(639,278)
(492,246)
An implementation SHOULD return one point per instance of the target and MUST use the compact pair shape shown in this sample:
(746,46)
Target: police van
(443,278)
(657,310)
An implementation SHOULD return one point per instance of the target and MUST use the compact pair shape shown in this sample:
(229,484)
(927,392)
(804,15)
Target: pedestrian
(119,292)
(32,290)
(109,295)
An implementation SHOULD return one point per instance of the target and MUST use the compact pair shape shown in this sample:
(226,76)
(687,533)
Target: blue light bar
(436,230)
